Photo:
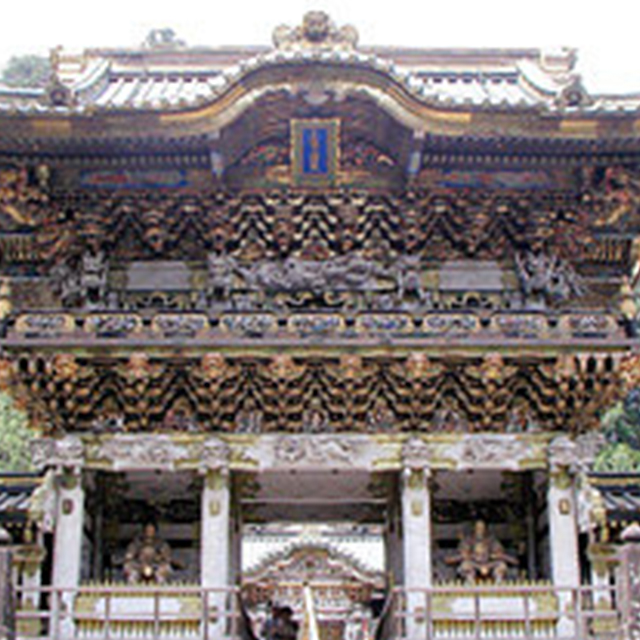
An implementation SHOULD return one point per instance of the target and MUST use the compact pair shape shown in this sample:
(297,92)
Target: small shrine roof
(620,495)
(167,75)
(15,494)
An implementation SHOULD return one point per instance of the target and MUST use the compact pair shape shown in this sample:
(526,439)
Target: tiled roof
(15,494)
(620,495)
(182,77)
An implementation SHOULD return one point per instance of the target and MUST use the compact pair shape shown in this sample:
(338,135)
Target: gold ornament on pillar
(627,301)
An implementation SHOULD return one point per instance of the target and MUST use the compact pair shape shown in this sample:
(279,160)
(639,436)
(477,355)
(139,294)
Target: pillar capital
(563,457)
(66,454)
(416,455)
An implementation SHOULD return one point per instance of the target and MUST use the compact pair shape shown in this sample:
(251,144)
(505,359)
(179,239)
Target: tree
(27,71)
(14,437)
(621,428)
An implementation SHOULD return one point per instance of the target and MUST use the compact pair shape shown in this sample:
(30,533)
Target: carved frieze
(315,451)
(131,452)
(488,451)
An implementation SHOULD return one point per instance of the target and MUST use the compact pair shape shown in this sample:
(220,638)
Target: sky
(605,33)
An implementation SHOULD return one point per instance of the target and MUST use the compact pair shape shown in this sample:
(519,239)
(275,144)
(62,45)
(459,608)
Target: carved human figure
(408,278)
(220,270)
(547,277)
(93,280)
(148,558)
(480,557)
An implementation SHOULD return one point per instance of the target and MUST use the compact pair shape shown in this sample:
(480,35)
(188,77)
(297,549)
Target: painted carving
(113,325)
(363,154)
(489,451)
(83,282)
(221,269)
(546,279)
(315,451)
(350,366)
(6,374)
(621,195)
(18,198)
(396,283)
(629,371)
(325,394)
(492,369)
(316,32)
(213,366)
(160,452)
(481,558)
(249,422)
(283,367)
(420,366)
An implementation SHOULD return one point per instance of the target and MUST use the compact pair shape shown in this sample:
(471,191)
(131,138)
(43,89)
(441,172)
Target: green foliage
(621,427)
(14,437)
(618,457)
(27,71)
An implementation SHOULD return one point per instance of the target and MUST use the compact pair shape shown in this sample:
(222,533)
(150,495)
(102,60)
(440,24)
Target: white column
(215,560)
(416,535)
(563,541)
(67,550)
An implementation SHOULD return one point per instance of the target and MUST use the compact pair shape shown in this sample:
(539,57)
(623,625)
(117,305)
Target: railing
(168,612)
(456,612)
(503,612)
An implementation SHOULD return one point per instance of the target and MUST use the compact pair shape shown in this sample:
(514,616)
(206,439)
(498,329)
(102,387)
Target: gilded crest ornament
(317,31)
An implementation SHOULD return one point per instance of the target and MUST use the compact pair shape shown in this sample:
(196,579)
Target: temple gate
(318,283)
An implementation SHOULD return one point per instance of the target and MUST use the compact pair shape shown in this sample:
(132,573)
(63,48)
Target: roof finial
(317,31)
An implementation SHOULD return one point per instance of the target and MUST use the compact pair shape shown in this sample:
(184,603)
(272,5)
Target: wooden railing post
(629,583)
(7,607)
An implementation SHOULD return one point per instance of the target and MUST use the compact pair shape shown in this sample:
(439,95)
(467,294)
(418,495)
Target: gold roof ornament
(317,31)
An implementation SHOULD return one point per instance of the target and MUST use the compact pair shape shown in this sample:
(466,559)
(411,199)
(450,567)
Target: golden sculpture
(148,558)
(480,557)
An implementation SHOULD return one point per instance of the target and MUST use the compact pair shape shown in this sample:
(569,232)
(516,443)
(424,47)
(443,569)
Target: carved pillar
(67,548)
(416,533)
(215,562)
(563,526)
